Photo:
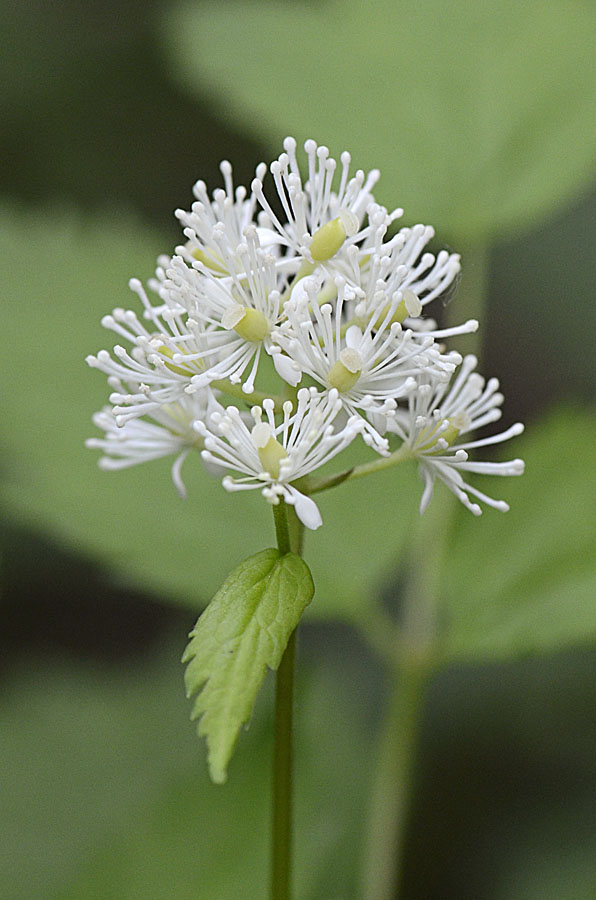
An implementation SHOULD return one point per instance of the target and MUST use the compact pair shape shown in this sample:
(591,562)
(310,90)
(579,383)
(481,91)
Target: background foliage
(481,118)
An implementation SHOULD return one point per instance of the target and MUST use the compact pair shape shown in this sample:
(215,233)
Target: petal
(306,509)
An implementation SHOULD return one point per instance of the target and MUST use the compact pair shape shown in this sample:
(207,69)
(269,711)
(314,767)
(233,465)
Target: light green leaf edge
(244,630)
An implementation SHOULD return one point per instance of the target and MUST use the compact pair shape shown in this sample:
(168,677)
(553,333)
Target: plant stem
(281,863)
(282,529)
(416,656)
(289,538)
(315,485)
(390,801)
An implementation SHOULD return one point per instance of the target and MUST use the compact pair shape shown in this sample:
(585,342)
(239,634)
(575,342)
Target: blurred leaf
(85,750)
(60,278)
(525,582)
(105,796)
(557,861)
(244,630)
(480,114)
(45,51)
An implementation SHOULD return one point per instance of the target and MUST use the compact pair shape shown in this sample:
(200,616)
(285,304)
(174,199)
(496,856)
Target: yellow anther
(345,372)
(327,240)
(270,451)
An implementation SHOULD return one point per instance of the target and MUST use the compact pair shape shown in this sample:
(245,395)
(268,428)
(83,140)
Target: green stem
(289,538)
(315,485)
(282,529)
(392,789)
(281,863)
(417,654)
(257,397)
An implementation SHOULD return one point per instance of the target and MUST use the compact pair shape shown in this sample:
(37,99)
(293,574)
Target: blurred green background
(482,117)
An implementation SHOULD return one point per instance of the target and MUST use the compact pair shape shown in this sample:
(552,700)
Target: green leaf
(244,630)
(525,582)
(480,114)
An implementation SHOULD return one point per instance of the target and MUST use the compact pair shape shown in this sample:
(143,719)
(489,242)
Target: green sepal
(244,630)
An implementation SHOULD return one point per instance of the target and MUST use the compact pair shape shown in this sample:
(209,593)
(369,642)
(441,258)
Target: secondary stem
(315,485)
(417,651)
(390,801)
(289,538)
(416,656)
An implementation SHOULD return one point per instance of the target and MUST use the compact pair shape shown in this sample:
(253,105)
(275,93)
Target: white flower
(371,366)
(236,315)
(147,377)
(271,457)
(215,228)
(334,301)
(399,269)
(437,418)
(169,432)
(321,221)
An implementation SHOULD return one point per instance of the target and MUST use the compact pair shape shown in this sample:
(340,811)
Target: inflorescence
(325,300)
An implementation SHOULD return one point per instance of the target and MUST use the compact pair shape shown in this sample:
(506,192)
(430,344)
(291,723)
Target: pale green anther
(345,372)
(247,322)
(270,451)
(208,261)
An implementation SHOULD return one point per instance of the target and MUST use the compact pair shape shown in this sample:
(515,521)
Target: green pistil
(449,435)
(209,261)
(178,370)
(250,324)
(270,451)
(410,305)
(345,372)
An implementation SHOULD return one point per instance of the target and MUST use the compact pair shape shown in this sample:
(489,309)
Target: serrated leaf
(480,114)
(525,582)
(243,631)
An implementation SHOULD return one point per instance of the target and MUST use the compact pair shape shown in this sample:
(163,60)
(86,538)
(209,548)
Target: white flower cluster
(313,282)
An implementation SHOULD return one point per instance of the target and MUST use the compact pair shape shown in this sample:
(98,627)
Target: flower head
(322,294)
(438,416)
(371,366)
(169,431)
(272,456)
(320,220)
